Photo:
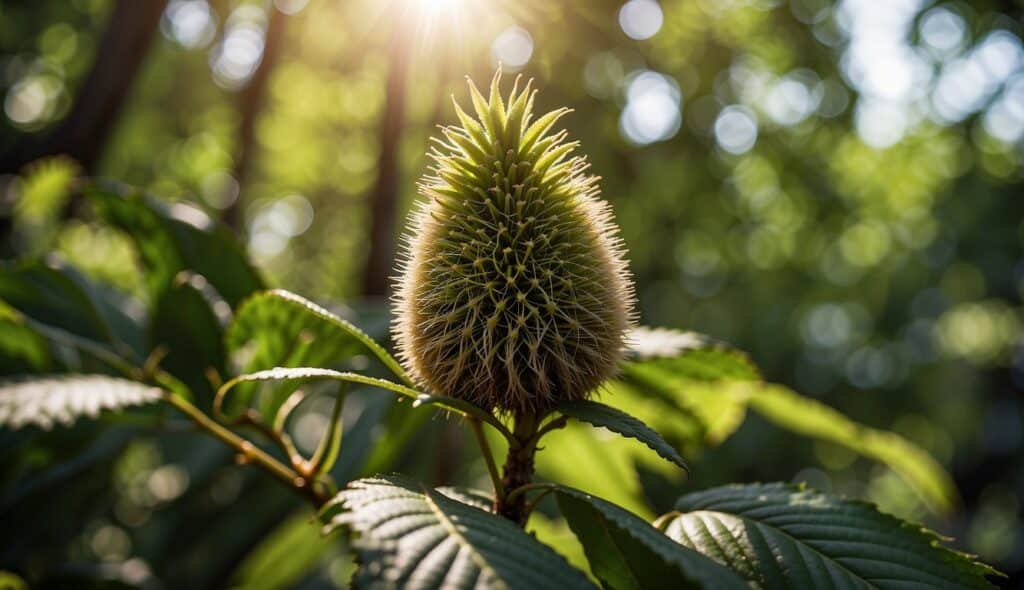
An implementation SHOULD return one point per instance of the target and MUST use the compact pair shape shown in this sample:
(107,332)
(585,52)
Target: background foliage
(834,188)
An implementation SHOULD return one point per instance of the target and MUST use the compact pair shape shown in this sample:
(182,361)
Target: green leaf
(183,322)
(296,376)
(22,349)
(604,465)
(699,378)
(60,399)
(280,329)
(176,237)
(285,556)
(781,536)
(626,552)
(814,419)
(622,423)
(46,187)
(699,382)
(46,294)
(411,536)
(687,354)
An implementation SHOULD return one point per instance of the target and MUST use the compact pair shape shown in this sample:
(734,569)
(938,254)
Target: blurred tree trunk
(84,132)
(384,197)
(251,101)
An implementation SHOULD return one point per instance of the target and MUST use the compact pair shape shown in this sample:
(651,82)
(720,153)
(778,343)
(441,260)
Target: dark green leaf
(622,423)
(46,294)
(187,328)
(780,536)
(410,536)
(176,237)
(626,552)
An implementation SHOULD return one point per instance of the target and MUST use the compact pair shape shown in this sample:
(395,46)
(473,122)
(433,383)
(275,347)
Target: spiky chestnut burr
(513,291)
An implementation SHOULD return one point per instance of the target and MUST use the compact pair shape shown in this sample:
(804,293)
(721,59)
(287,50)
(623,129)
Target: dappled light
(698,244)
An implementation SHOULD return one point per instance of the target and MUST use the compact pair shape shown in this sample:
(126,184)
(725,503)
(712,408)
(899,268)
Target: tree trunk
(251,101)
(384,198)
(84,132)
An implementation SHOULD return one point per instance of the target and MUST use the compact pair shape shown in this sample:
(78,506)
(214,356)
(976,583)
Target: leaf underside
(410,536)
(619,422)
(60,399)
(781,536)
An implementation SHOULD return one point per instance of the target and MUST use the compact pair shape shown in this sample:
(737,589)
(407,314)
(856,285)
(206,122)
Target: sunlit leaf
(411,536)
(693,376)
(280,329)
(22,349)
(176,237)
(598,461)
(285,555)
(619,422)
(811,418)
(781,536)
(60,399)
(687,355)
(46,187)
(626,552)
(296,376)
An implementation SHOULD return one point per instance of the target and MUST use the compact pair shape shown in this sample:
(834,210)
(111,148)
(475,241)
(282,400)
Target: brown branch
(518,469)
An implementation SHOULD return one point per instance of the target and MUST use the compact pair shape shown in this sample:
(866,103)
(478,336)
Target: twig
(247,451)
(492,467)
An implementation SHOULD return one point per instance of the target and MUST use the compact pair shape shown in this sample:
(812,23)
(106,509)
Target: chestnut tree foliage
(240,368)
(830,186)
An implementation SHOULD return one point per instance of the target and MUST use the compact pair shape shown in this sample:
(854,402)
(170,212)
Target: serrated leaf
(296,376)
(625,552)
(280,329)
(687,355)
(411,536)
(619,422)
(814,419)
(60,399)
(606,466)
(716,384)
(174,237)
(699,381)
(780,536)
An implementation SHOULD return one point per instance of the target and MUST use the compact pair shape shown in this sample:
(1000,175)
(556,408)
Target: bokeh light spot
(641,19)
(653,108)
(512,48)
(736,129)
